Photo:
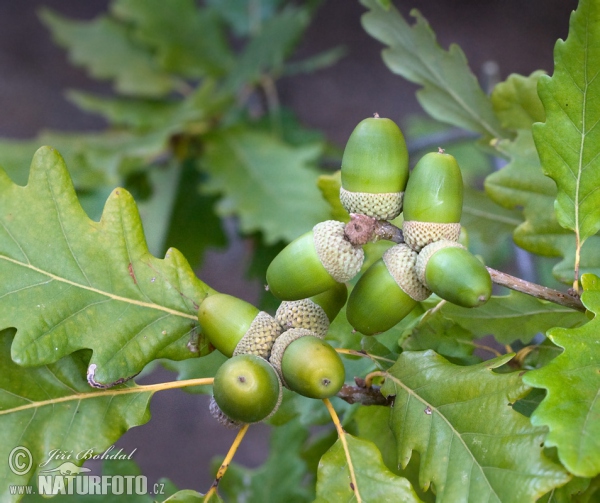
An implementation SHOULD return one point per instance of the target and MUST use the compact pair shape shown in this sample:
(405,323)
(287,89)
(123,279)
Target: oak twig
(537,291)
(363,229)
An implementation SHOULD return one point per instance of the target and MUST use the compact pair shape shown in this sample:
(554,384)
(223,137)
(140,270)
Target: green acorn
(235,326)
(433,201)
(448,269)
(386,292)
(246,389)
(374,169)
(314,314)
(314,263)
(307,364)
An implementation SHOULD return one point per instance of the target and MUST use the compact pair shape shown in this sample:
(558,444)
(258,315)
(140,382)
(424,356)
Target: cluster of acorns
(309,276)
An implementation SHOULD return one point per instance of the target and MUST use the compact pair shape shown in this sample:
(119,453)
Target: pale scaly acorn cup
(314,263)
(433,201)
(386,292)
(374,169)
(246,389)
(234,326)
(307,364)
(314,314)
(453,273)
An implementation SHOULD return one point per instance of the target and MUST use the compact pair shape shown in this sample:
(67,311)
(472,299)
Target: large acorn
(314,263)
(307,364)
(374,169)
(449,270)
(386,292)
(235,326)
(314,314)
(246,389)
(433,201)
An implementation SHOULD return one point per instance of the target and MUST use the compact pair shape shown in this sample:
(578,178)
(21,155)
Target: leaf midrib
(149,305)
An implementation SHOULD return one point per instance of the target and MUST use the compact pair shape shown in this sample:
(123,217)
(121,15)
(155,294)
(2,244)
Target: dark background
(518,35)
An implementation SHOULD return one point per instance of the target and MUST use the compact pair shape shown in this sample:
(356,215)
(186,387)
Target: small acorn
(307,364)
(433,201)
(235,326)
(374,169)
(314,314)
(246,389)
(449,270)
(314,263)
(386,292)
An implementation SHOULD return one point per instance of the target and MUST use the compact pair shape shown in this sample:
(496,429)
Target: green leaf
(489,226)
(450,91)
(516,101)
(105,48)
(71,283)
(521,183)
(139,114)
(375,482)
(373,425)
(269,185)
(512,317)
(52,407)
(193,226)
(281,478)
(473,445)
(569,141)
(188,40)
(319,61)
(266,51)
(243,19)
(571,409)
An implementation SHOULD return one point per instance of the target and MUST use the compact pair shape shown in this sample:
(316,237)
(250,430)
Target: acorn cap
(247,389)
(308,365)
(434,192)
(314,262)
(228,322)
(400,261)
(386,292)
(417,235)
(260,337)
(375,158)
(303,314)
(381,205)
(221,417)
(453,273)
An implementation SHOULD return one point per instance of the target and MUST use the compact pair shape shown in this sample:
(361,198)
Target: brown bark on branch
(538,291)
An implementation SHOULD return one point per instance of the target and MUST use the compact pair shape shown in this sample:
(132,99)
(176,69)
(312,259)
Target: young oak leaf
(70,283)
(569,141)
(571,409)
(450,91)
(473,445)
